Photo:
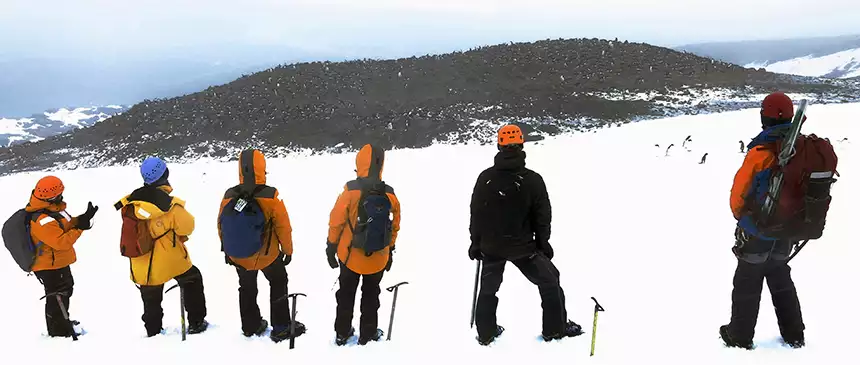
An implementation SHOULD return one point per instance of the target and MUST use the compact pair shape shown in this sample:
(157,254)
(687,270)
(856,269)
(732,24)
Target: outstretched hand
(85,219)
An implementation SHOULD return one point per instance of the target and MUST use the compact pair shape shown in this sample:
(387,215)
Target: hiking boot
(152,334)
(260,330)
(376,336)
(342,340)
(794,343)
(280,333)
(730,342)
(197,327)
(487,341)
(571,329)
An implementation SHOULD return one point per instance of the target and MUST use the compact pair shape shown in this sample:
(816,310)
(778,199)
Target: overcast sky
(372,27)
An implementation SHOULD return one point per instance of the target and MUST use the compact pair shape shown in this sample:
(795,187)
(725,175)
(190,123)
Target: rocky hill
(549,86)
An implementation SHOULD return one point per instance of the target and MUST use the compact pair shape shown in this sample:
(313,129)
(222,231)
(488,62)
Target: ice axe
(597,308)
(181,306)
(475,292)
(59,296)
(295,297)
(394,289)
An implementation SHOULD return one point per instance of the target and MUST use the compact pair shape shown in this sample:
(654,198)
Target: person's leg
(345,297)
(369,321)
(152,311)
(492,273)
(785,303)
(249,311)
(540,271)
(746,298)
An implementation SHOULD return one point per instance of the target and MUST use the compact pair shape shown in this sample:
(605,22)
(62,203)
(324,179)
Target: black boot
(376,336)
(283,333)
(341,340)
(487,341)
(260,330)
(571,329)
(727,339)
(197,327)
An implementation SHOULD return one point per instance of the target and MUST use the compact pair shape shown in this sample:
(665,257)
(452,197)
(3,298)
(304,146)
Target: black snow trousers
(746,297)
(279,310)
(346,301)
(58,280)
(539,270)
(191,282)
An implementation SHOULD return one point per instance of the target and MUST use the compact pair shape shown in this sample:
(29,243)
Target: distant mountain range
(843,64)
(766,52)
(53,122)
(548,87)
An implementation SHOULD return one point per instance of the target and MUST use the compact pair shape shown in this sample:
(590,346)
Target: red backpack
(135,240)
(804,199)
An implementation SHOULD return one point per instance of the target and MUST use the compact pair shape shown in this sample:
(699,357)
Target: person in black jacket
(511,221)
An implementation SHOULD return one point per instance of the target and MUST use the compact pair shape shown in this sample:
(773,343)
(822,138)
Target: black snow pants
(539,270)
(191,282)
(279,312)
(54,281)
(346,301)
(746,297)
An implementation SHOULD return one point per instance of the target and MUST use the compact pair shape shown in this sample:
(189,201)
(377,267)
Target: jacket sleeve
(183,222)
(395,223)
(755,161)
(52,235)
(282,226)
(541,212)
(473,211)
(338,217)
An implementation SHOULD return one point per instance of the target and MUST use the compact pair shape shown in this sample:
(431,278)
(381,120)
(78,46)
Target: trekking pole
(394,288)
(59,296)
(475,292)
(597,308)
(797,249)
(181,306)
(295,296)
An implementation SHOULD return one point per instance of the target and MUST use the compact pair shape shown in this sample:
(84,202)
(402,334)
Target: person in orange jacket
(272,258)
(55,233)
(760,258)
(354,262)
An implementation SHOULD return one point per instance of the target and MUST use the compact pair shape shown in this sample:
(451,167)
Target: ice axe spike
(394,288)
(181,306)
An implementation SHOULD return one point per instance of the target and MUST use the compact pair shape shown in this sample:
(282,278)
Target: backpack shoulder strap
(33,216)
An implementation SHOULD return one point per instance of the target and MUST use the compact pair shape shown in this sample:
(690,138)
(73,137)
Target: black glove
(286,258)
(475,252)
(84,219)
(390,259)
(546,249)
(331,253)
(228,261)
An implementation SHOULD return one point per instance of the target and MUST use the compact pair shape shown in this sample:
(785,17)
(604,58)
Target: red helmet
(777,106)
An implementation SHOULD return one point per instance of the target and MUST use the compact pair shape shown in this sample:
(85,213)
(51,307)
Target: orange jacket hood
(252,163)
(39,204)
(370,161)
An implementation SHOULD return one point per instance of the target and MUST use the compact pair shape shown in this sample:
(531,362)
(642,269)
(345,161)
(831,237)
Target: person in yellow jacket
(55,233)
(169,225)
(273,255)
(354,262)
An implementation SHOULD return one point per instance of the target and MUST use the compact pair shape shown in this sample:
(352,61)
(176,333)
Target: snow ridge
(844,64)
(53,122)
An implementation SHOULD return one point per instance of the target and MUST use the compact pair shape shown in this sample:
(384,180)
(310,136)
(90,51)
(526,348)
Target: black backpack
(16,237)
(373,228)
(503,206)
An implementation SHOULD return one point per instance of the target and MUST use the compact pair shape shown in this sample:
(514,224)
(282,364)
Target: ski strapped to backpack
(373,227)
(17,238)
(790,200)
(243,223)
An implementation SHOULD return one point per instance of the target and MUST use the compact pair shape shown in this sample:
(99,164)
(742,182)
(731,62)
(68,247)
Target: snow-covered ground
(646,234)
(845,64)
(40,126)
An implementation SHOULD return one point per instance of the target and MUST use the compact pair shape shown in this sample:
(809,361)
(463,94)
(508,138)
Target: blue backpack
(243,224)
(373,227)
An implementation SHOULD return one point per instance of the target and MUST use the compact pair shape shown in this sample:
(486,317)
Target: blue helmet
(152,169)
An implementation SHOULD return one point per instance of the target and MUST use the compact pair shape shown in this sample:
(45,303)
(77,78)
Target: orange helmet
(510,134)
(48,187)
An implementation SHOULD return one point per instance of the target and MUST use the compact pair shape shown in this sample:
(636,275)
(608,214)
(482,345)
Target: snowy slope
(648,235)
(845,64)
(53,122)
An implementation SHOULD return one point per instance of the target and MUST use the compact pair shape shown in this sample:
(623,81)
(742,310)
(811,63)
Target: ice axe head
(597,306)
(393,287)
(171,288)
(296,295)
